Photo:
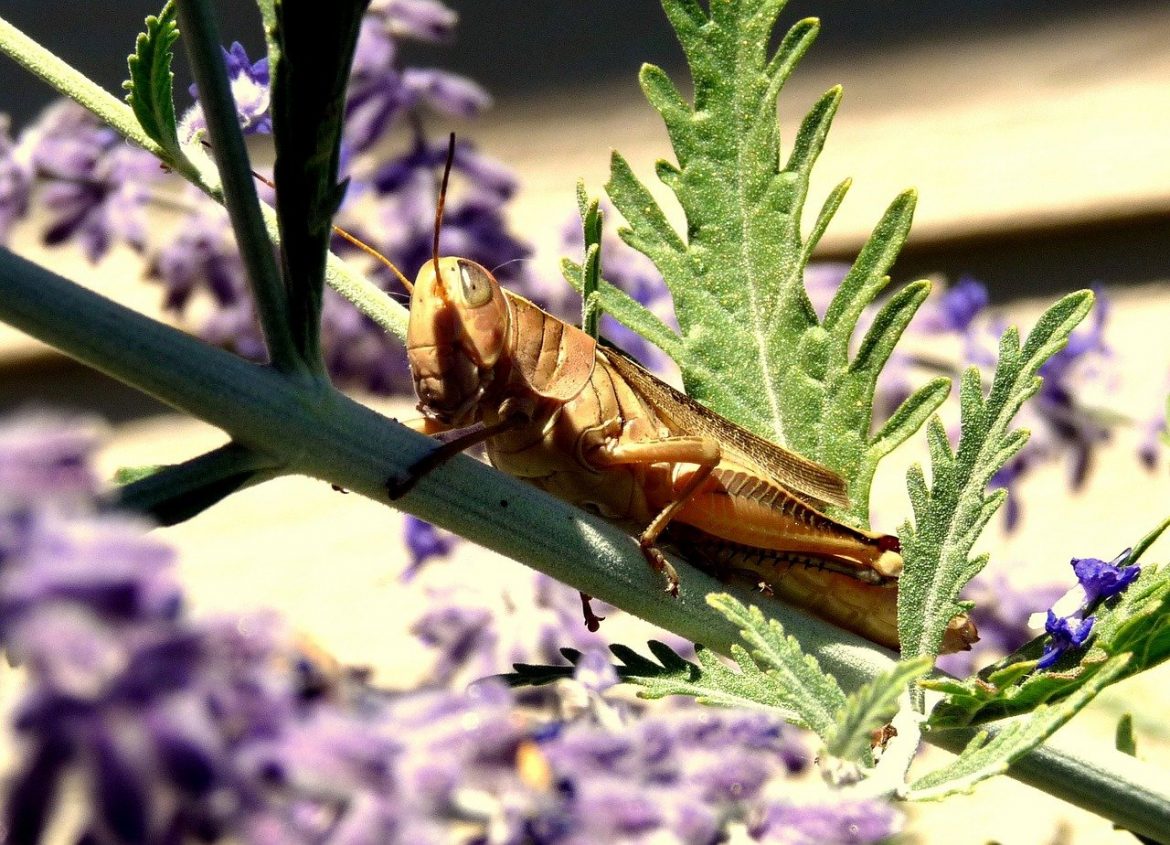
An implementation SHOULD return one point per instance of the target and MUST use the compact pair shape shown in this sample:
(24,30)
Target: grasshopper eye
(477,286)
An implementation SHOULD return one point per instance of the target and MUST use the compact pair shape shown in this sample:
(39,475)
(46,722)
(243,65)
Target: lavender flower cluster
(176,727)
(99,193)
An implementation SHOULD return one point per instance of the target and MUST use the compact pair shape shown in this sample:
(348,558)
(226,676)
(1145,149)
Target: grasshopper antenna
(442,201)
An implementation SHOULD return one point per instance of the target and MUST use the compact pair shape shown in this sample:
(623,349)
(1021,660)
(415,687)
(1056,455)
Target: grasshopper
(589,425)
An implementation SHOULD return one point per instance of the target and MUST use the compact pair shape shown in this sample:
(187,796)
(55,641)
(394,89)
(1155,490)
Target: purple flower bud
(16,179)
(1066,632)
(955,309)
(445,92)
(249,83)
(426,20)
(96,188)
(1103,579)
(835,823)
(595,671)
(424,542)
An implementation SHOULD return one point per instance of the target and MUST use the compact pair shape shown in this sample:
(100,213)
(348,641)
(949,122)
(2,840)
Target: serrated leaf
(956,506)
(150,88)
(871,707)
(815,696)
(989,755)
(708,682)
(309,75)
(910,415)
(749,345)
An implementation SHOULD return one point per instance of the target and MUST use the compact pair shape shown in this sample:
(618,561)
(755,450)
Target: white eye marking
(477,288)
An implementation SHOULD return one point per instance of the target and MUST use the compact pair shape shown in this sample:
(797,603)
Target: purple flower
(954,309)
(1102,579)
(1066,632)
(831,823)
(445,92)
(249,83)
(595,671)
(95,188)
(424,541)
(16,179)
(426,20)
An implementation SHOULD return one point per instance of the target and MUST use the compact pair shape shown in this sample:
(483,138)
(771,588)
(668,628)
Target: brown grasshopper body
(591,427)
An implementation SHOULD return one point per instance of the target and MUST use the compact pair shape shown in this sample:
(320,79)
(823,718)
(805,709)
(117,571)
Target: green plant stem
(70,82)
(366,296)
(312,429)
(201,38)
(1130,793)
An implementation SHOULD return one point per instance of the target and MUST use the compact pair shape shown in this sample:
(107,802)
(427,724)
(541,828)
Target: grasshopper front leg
(688,449)
(512,415)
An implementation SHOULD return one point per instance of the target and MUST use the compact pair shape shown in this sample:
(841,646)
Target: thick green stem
(314,430)
(197,25)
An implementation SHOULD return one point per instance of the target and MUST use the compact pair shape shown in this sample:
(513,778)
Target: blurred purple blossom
(474,634)
(16,180)
(836,823)
(229,726)
(424,542)
(425,20)
(94,187)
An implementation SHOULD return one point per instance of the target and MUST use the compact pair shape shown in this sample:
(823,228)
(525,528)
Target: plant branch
(316,431)
(197,25)
(354,287)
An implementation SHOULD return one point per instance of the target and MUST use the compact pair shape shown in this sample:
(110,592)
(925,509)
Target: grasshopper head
(459,323)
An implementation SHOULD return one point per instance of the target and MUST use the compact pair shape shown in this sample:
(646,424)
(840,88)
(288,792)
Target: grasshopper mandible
(590,426)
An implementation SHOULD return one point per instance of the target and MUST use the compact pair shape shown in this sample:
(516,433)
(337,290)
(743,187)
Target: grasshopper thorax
(459,323)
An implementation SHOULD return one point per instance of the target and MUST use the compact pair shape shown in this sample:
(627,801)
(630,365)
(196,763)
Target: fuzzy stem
(197,25)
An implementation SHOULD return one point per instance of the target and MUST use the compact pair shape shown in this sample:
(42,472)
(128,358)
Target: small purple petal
(1103,579)
(837,823)
(424,542)
(1064,636)
(426,20)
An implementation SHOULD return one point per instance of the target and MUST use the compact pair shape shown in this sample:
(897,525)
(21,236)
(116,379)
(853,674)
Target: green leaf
(309,74)
(708,682)
(988,755)
(749,345)
(951,512)
(872,707)
(150,88)
(1123,738)
(128,475)
(175,493)
(806,689)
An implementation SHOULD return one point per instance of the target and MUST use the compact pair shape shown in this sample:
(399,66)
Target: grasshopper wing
(679,411)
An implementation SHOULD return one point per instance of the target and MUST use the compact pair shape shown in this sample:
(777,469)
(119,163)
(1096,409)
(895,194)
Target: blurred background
(1037,135)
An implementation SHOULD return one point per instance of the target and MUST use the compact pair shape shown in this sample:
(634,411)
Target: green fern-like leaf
(709,681)
(150,88)
(950,513)
(749,344)
(796,676)
(871,707)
